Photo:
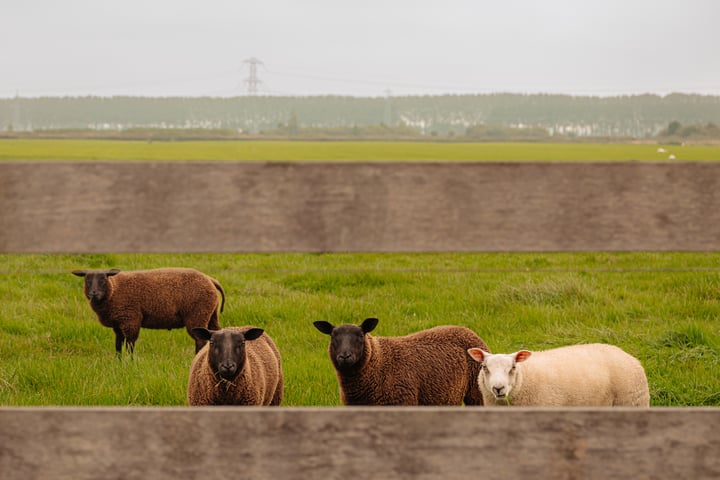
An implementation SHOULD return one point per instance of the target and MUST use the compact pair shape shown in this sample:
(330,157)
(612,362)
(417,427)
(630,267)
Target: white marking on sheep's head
(498,372)
(347,342)
(96,283)
(226,354)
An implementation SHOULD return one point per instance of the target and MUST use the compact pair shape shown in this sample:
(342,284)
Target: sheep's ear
(369,324)
(324,327)
(79,273)
(111,272)
(522,355)
(477,354)
(201,333)
(253,333)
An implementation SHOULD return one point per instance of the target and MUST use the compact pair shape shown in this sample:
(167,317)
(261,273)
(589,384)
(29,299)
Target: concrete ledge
(83,207)
(358,443)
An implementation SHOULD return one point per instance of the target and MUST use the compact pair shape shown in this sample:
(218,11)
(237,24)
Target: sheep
(160,298)
(578,375)
(239,366)
(429,367)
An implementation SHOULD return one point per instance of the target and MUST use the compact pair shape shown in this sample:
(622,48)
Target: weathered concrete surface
(373,207)
(358,443)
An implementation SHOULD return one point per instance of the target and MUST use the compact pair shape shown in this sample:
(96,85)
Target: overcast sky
(365,48)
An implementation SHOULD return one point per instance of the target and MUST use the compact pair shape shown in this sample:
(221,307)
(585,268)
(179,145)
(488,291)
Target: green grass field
(661,307)
(93,150)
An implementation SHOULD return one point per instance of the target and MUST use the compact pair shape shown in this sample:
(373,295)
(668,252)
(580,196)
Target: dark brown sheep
(430,367)
(239,366)
(164,298)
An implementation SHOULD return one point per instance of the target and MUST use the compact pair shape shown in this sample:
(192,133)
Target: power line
(92,89)
(489,89)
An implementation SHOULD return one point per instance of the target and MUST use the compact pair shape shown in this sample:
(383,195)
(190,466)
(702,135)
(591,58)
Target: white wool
(578,375)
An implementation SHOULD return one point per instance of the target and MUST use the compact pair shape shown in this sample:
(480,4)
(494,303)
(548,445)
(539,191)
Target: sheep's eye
(512,369)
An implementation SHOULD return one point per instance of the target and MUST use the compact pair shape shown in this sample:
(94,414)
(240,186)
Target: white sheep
(578,375)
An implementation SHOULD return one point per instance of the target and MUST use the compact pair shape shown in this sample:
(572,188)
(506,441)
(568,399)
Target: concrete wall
(359,443)
(374,207)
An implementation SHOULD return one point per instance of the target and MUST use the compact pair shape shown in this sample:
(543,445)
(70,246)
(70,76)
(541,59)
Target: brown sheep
(430,367)
(239,366)
(164,298)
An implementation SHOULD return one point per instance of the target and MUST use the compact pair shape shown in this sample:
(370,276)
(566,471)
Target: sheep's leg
(131,332)
(214,323)
(119,340)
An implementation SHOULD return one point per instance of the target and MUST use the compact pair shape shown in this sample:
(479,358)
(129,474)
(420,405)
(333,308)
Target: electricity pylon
(252,81)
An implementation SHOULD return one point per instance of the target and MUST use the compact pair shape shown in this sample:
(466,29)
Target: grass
(661,307)
(115,150)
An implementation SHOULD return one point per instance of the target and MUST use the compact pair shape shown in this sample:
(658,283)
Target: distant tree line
(499,132)
(480,116)
(677,130)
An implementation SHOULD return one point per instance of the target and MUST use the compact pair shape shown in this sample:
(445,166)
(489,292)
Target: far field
(117,150)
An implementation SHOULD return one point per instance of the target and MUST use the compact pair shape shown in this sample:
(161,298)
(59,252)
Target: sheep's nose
(227,366)
(498,391)
(344,356)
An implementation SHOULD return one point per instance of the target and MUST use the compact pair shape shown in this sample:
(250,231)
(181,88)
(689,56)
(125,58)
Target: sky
(358,48)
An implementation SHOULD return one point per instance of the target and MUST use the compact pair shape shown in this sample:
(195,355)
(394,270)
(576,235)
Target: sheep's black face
(347,344)
(227,353)
(96,287)
(96,283)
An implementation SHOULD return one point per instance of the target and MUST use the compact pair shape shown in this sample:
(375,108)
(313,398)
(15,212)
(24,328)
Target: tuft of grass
(687,336)
(555,292)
